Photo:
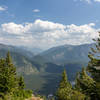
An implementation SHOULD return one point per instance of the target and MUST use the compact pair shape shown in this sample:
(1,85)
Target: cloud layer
(36,10)
(97,0)
(46,34)
(90,1)
(3,8)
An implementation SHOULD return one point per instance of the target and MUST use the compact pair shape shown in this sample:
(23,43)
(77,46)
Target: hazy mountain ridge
(16,49)
(33,50)
(67,54)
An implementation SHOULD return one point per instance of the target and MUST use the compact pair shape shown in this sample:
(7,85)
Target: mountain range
(67,54)
(42,72)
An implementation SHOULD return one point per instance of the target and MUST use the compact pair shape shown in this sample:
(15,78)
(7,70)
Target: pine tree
(11,86)
(10,65)
(7,75)
(86,85)
(65,89)
(94,63)
(8,58)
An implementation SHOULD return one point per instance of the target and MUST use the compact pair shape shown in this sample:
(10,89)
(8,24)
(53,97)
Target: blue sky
(80,13)
(62,11)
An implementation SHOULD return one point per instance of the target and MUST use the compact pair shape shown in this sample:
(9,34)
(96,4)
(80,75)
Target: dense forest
(86,87)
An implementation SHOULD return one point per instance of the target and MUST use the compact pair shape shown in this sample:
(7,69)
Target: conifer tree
(86,85)
(11,86)
(94,63)
(8,58)
(7,75)
(10,65)
(65,89)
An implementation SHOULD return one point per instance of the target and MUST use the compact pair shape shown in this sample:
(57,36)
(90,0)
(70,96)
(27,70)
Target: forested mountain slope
(43,72)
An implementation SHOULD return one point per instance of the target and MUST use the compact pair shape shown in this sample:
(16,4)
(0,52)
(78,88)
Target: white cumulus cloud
(96,0)
(3,8)
(12,28)
(46,34)
(88,1)
(36,10)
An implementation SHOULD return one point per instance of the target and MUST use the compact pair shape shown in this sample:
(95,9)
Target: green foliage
(44,97)
(11,86)
(8,58)
(86,84)
(7,76)
(76,95)
(84,81)
(87,87)
(21,83)
(98,89)
(21,94)
(65,89)
(66,92)
(17,95)
(94,63)
(90,85)
(64,82)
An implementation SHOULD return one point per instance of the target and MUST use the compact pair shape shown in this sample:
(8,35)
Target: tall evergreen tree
(66,92)
(11,86)
(10,65)
(86,85)
(7,75)
(65,89)
(94,63)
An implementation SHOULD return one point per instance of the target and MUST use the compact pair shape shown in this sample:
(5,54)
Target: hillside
(41,71)
(67,54)
(16,49)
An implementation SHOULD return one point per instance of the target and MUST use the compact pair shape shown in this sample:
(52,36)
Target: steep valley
(42,72)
